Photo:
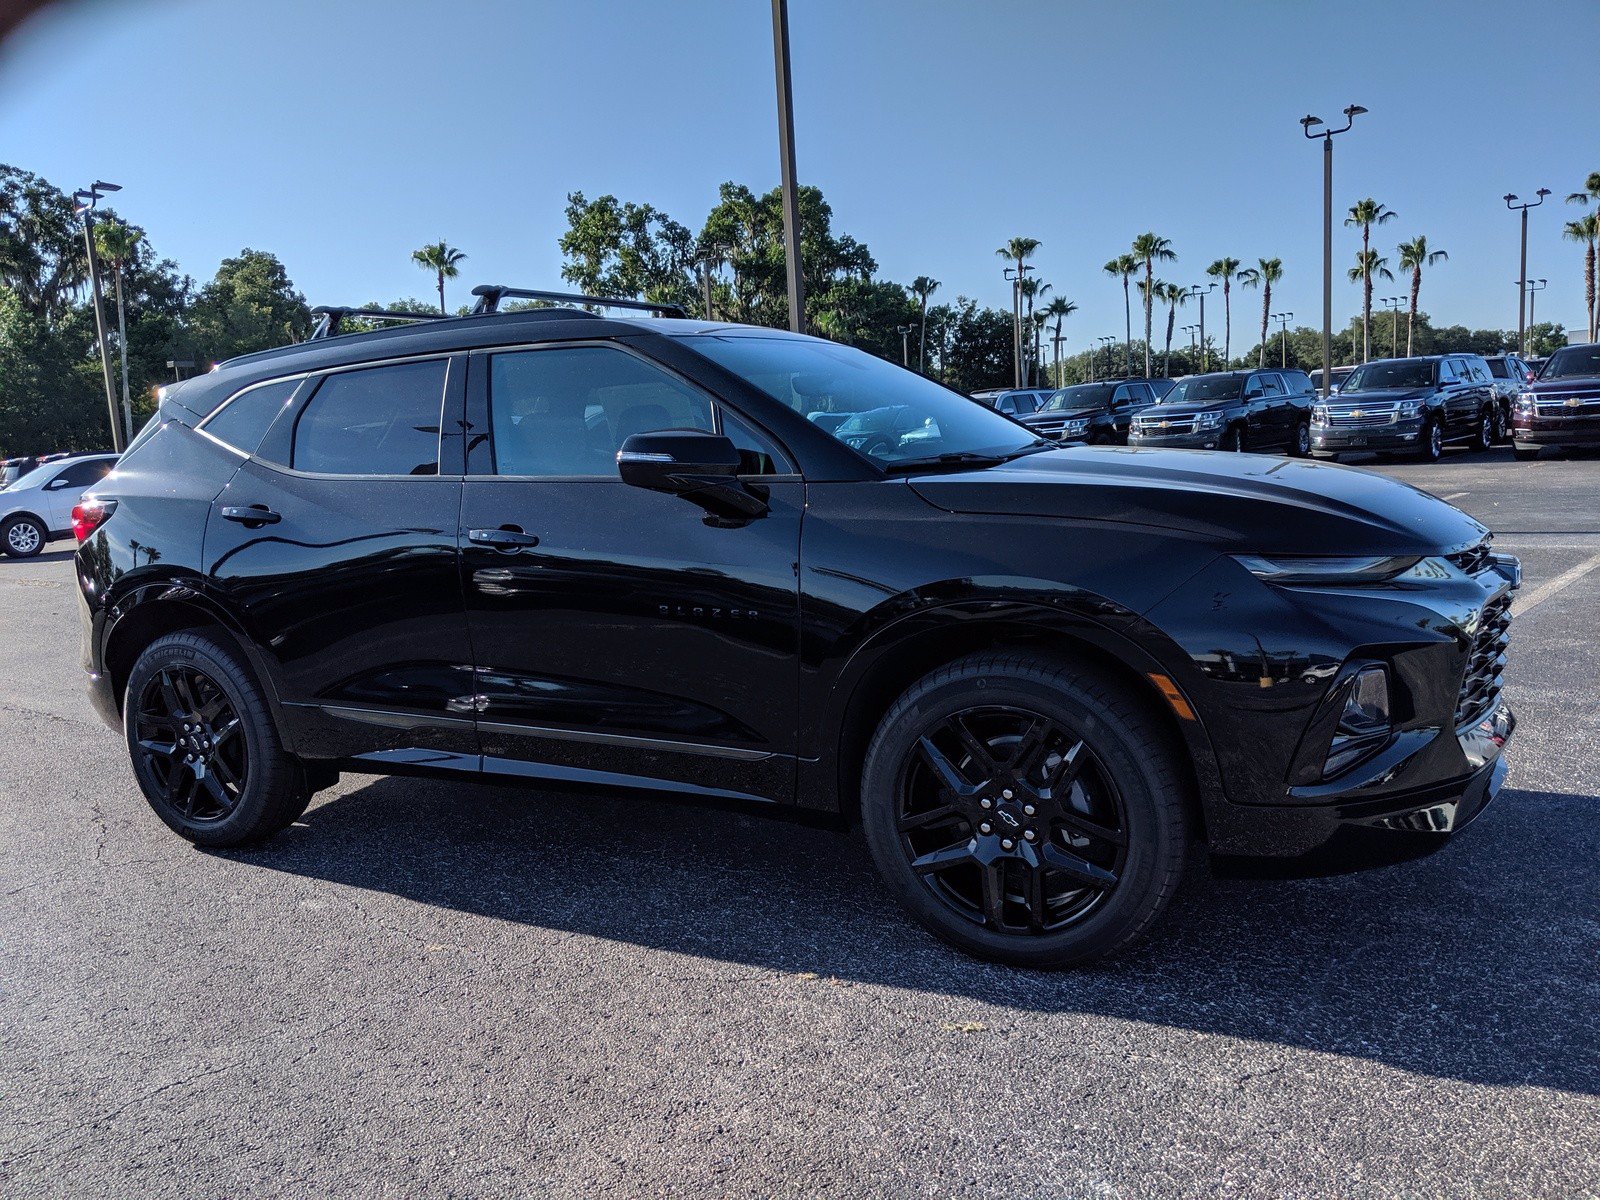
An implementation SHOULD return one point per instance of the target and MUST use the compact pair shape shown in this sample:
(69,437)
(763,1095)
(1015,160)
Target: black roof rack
(331,316)
(490,294)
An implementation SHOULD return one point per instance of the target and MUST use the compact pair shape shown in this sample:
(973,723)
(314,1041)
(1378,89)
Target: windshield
(1203,388)
(1084,395)
(1390,376)
(1572,363)
(886,412)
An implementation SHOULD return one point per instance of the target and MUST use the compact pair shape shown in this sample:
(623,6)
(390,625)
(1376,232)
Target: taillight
(89,515)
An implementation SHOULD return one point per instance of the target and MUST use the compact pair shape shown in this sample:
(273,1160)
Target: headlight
(1207,420)
(1407,408)
(1525,404)
(1319,415)
(1073,428)
(1364,723)
(1330,572)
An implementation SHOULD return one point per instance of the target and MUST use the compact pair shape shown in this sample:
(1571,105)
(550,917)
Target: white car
(38,506)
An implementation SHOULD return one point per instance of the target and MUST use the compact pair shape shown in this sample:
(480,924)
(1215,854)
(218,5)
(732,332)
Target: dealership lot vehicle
(1562,406)
(1416,405)
(1231,410)
(37,508)
(1031,729)
(1510,375)
(1098,413)
(1014,402)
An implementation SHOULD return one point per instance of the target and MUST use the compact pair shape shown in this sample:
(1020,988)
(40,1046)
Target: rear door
(624,636)
(335,544)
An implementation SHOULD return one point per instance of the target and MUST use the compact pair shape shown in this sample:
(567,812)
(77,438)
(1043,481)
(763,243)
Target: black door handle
(507,538)
(254,514)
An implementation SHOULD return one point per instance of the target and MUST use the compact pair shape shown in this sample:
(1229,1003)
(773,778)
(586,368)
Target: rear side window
(243,421)
(377,421)
(1271,385)
(566,412)
(87,474)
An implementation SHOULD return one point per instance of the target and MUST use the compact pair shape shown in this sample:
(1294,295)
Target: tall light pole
(1283,335)
(1105,341)
(1015,275)
(1535,286)
(1308,125)
(84,207)
(1055,359)
(905,344)
(1522,275)
(791,198)
(1190,330)
(1393,304)
(1205,351)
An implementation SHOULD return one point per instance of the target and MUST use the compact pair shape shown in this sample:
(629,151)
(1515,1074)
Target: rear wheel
(1025,810)
(204,748)
(22,537)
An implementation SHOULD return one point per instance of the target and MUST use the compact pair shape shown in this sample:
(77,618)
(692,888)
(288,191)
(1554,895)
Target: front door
(624,637)
(335,543)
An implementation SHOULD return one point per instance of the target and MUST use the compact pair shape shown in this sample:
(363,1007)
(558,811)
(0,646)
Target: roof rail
(490,294)
(331,316)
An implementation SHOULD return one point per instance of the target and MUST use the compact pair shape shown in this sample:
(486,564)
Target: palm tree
(1172,296)
(922,287)
(1124,266)
(1263,275)
(1368,264)
(1059,310)
(1586,229)
(1367,213)
(1150,249)
(118,245)
(1226,269)
(1414,255)
(441,259)
(1591,191)
(1018,250)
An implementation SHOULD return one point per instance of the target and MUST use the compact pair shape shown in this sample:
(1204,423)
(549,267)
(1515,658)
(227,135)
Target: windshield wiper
(968,458)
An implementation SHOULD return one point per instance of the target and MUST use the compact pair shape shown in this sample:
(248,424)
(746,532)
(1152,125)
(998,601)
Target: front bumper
(1577,432)
(1206,439)
(1402,436)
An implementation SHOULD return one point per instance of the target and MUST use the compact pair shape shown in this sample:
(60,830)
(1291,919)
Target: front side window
(567,411)
(375,421)
(243,421)
(885,412)
(87,474)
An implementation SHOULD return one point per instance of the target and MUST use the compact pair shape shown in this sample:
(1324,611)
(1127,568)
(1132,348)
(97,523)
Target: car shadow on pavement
(1478,963)
(44,556)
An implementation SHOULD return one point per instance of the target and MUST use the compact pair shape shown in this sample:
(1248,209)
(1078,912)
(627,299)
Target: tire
(1430,446)
(1233,441)
(1524,454)
(1483,436)
(251,787)
(1115,821)
(1301,446)
(23,537)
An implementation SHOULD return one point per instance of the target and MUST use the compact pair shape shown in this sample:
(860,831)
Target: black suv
(1231,410)
(1511,375)
(1562,406)
(1411,404)
(590,553)
(1098,413)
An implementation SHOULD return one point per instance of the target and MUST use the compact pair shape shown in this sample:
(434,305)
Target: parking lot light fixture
(1522,275)
(1283,353)
(1105,341)
(1313,128)
(1535,286)
(84,203)
(1205,351)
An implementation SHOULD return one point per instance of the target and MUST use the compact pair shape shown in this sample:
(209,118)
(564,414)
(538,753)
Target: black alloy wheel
(1233,440)
(1431,444)
(1026,809)
(192,744)
(1302,440)
(1484,437)
(1011,821)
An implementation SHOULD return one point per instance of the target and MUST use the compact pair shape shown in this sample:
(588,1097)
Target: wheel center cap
(1009,818)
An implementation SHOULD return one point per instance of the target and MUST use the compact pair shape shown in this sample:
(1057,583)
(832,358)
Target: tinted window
(1397,373)
(1271,385)
(87,474)
(243,421)
(1572,362)
(1079,396)
(1121,396)
(1497,368)
(760,454)
(379,421)
(1297,381)
(1205,387)
(830,384)
(567,412)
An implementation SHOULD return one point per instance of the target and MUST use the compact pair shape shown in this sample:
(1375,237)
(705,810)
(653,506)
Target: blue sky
(341,135)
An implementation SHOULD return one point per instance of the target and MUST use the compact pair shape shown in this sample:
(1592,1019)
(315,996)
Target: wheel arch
(883,668)
(30,515)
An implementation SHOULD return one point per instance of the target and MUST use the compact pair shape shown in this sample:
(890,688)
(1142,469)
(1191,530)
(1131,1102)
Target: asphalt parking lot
(422,990)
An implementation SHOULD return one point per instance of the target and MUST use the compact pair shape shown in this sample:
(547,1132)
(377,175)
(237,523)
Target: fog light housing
(1364,724)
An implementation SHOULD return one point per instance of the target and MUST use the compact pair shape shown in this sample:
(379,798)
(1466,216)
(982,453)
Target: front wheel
(1301,447)
(205,752)
(1233,440)
(1025,810)
(22,537)
(1483,438)
(1430,447)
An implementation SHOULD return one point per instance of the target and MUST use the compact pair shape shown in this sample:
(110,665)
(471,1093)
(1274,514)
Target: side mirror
(702,467)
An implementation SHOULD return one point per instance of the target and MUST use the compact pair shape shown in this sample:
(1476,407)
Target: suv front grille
(1163,426)
(1473,559)
(1355,416)
(1480,686)
(1574,405)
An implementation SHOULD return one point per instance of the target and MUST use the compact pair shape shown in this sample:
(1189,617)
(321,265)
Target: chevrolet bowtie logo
(1358,413)
(1574,402)
(1164,424)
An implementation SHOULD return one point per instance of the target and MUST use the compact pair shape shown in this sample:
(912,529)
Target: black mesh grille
(1473,559)
(1480,687)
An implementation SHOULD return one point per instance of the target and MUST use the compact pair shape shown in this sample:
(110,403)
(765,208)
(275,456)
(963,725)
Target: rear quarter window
(244,420)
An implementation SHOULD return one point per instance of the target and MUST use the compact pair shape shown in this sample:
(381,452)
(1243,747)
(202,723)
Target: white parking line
(1528,601)
(1453,495)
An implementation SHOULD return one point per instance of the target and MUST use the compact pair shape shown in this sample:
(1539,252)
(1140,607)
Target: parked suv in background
(1511,374)
(1231,410)
(589,553)
(38,506)
(1411,404)
(1092,412)
(1562,406)
(1014,402)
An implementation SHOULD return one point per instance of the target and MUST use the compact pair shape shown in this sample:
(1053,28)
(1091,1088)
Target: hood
(1055,416)
(1244,503)
(1380,395)
(1580,385)
(1187,408)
